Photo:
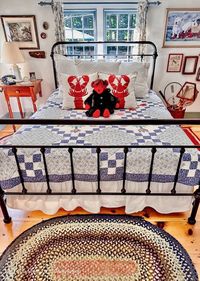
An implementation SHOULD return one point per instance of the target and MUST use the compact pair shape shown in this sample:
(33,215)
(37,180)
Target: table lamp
(11,54)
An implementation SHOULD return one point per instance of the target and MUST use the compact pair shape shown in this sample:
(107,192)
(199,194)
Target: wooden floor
(7,131)
(175,224)
(196,130)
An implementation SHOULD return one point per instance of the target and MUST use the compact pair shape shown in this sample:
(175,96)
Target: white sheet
(51,204)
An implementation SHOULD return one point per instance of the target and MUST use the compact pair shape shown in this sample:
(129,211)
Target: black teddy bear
(101,102)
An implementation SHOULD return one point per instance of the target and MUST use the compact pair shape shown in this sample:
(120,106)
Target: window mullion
(72,28)
(128,31)
(117,34)
(82,29)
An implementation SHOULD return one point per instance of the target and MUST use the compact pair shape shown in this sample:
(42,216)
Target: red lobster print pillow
(76,89)
(122,87)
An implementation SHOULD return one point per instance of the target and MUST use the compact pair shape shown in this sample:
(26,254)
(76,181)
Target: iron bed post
(192,218)
(182,150)
(70,150)
(54,68)
(98,150)
(24,190)
(6,217)
(153,151)
(123,190)
(49,191)
(155,55)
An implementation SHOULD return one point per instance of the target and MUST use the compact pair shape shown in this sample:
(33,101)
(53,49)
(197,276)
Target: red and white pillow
(75,89)
(122,87)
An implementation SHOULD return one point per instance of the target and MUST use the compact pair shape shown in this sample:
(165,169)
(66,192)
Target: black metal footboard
(74,191)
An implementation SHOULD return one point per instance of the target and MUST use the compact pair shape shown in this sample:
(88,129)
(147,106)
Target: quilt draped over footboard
(111,159)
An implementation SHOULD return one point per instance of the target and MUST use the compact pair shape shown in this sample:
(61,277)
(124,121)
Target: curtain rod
(154,3)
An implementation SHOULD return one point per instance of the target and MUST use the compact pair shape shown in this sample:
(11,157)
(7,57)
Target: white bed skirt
(50,204)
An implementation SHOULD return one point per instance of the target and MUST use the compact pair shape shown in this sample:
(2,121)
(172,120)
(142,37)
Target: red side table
(19,90)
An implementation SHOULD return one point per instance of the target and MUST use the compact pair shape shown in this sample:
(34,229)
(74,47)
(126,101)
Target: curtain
(141,23)
(58,12)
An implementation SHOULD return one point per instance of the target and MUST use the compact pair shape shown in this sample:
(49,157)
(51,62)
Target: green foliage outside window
(119,27)
(80,26)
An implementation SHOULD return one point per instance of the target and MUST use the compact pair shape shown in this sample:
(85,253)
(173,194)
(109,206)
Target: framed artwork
(21,29)
(174,62)
(198,75)
(190,65)
(182,28)
(32,76)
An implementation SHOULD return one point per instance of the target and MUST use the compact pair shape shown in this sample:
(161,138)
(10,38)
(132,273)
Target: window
(80,26)
(119,26)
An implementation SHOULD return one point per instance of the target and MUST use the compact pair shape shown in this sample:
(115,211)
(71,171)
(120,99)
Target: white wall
(43,67)
(156,26)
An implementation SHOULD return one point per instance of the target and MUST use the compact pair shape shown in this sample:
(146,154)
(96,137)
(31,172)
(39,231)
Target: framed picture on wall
(198,75)
(32,76)
(21,29)
(182,28)
(190,65)
(174,62)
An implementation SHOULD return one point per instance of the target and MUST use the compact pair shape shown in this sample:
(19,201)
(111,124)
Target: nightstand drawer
(21,91)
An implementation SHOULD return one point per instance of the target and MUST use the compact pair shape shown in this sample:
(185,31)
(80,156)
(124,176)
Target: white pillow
(64,65)
(88,67)
(73,85)
(119,85)
(141,85)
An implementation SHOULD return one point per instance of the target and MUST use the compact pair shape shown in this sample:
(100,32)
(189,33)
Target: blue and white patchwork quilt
(111,159)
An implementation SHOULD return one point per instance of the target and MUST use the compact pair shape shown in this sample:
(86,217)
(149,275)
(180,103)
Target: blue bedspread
(112,160)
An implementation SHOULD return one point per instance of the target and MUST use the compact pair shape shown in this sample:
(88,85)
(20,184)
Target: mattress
(111,159)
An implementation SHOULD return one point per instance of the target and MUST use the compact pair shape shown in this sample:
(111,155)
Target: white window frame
(82,12)
(118,12)
(100,16)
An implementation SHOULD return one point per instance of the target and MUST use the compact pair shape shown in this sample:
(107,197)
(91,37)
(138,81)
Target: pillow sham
(64,65)
(88,67)
(122,87)
(141,83)
(75,89)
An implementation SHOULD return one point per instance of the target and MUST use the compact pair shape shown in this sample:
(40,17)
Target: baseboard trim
(192,115)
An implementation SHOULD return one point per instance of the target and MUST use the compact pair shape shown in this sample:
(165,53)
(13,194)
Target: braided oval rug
(96,247)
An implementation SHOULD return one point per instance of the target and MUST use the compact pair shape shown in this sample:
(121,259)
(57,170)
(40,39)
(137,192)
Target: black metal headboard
(148,53)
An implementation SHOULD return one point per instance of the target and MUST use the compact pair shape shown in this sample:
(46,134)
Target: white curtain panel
(58,12)
(140,34)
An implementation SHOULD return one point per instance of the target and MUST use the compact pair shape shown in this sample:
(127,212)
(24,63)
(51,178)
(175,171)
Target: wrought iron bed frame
(74,191)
